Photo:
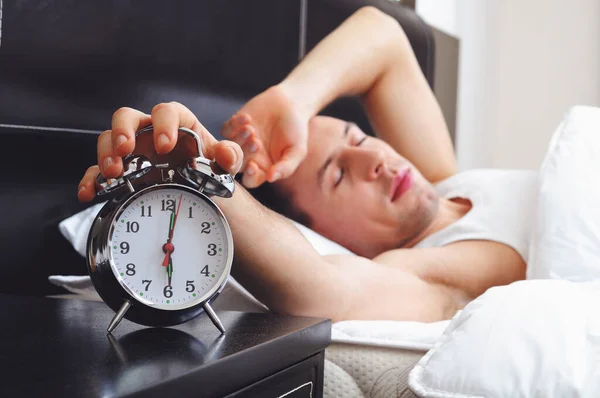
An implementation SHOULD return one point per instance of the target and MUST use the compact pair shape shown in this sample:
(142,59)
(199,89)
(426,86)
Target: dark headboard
(67,65)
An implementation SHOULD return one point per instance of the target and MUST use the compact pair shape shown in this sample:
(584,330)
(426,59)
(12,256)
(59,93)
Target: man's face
(358,191)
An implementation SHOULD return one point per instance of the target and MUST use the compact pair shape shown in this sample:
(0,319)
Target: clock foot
(213,317)
(119,315)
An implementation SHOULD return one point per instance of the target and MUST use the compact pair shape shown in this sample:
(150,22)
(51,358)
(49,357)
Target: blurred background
(507,71)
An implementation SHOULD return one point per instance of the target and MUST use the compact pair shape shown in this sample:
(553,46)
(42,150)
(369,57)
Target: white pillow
(529,339)
(566,236)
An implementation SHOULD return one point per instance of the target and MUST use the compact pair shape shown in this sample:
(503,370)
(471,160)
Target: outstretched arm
(369,56)
(278,266)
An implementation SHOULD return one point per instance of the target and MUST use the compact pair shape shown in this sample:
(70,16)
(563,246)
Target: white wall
(522,65)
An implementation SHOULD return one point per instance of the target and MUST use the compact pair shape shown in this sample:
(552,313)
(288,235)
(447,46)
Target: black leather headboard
(71,64)
(67,65)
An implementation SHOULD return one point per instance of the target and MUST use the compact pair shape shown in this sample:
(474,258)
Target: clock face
(170,247)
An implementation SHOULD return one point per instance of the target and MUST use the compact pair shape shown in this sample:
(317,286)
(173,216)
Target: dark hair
(281,201)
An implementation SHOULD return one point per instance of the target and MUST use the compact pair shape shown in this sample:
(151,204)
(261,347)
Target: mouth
(401,184)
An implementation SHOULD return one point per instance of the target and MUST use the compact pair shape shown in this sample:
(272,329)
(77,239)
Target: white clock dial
(177,272)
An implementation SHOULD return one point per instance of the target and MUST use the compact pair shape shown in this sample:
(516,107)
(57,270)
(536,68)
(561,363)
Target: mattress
(361,371)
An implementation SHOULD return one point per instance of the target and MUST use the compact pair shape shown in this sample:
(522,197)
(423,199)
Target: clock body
(167,249)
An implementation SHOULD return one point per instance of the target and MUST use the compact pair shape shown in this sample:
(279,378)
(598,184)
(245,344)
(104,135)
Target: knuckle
(90,170)
(121,112)
(161,106)
(105,135)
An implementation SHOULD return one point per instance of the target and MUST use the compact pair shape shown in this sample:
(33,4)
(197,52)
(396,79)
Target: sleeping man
(427,239)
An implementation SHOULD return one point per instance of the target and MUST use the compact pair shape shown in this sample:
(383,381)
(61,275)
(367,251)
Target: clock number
(190,212)
(133,227)
(212,249)
(124,247)
(205,270)
(170,205)
(149,211)
(130,269)
(147,282)
(189,286)
(206,228)
(168,292)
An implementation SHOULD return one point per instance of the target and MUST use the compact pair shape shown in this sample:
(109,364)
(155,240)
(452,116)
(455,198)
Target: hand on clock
(166,118)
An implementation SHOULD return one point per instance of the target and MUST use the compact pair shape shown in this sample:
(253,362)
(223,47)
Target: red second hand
(169,245)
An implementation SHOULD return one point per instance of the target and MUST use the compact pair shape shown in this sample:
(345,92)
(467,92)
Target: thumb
(288,163)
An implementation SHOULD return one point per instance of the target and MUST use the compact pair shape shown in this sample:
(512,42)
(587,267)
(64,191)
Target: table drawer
(302,380)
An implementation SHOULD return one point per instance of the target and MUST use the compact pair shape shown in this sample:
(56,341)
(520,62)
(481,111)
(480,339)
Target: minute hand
(169,238)
(172,225)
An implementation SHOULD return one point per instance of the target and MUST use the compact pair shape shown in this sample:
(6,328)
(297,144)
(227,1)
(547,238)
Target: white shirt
(503,208)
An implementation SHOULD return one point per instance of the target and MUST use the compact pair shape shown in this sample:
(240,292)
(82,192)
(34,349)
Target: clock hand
(171,222)
(170,270)
(168,247)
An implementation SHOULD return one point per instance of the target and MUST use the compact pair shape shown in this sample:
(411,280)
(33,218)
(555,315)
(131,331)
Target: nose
(364,163)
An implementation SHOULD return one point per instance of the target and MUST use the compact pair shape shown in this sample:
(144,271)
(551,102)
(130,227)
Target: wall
(521,66)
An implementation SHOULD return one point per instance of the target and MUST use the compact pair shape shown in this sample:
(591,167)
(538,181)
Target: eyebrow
(329,159)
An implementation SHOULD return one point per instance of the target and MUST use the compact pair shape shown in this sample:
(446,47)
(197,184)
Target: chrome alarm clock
(160,251)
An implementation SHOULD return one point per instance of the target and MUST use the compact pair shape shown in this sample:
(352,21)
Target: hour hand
(170,270)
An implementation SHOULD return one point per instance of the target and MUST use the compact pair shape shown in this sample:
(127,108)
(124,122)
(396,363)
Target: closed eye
(339,180)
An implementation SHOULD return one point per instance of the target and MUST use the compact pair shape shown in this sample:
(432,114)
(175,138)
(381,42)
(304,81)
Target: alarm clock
(160,250)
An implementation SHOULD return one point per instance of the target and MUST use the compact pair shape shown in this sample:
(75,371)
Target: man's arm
(281,268)
(369,55)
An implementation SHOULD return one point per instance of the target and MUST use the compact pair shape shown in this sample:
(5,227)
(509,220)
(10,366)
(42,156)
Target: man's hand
(273,133)
(166,119)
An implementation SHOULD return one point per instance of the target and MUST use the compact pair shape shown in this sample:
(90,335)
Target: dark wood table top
(56,347)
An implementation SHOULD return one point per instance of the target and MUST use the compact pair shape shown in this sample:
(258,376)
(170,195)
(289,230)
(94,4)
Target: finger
(233,124)
(110,164)
(252,146)
(166,120)
(253,176)
(228,156)
(86,190)
(125,122)
(254,150)
(287,165)
(243,133)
